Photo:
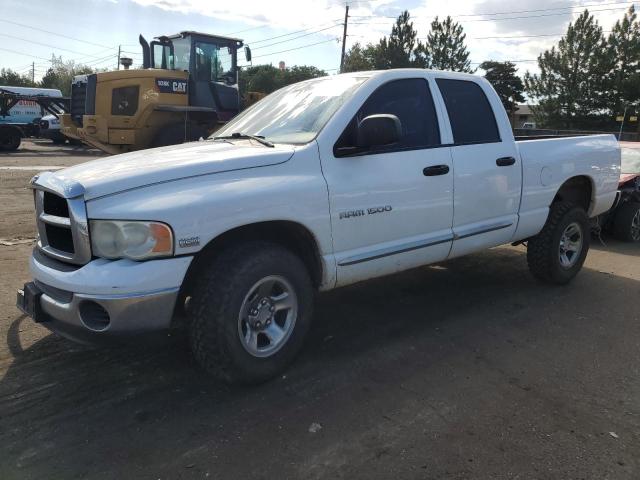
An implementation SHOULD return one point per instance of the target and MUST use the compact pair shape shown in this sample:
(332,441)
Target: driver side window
(410,100)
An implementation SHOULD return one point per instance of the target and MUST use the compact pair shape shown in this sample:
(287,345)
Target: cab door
(391,207)
(487,166)
(214,79)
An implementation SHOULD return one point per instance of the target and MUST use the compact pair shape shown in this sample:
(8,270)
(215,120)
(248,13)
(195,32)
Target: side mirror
(247,53)
(379,130)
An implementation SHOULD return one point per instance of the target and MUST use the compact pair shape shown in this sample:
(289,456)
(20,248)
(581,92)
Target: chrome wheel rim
(267,316)
(570,245)
(635,226)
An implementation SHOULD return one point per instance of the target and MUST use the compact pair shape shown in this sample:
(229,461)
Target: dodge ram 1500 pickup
(321,184)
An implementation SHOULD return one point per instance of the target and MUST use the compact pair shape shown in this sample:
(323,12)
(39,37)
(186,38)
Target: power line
(524,36)
(53,33)
(503,18)
(253,42)
(538,16)
(299,36)
(510,12)
(46,45)
(297,48)
(25,54)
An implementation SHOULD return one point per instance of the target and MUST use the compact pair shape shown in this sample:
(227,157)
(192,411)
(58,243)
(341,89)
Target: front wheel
(626,225)
(558,252)
(250,312)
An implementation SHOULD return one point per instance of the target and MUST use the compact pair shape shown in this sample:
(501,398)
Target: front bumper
(103,298)
(90,318)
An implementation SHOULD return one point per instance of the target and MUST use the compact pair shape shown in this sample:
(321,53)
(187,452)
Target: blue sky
(98,27)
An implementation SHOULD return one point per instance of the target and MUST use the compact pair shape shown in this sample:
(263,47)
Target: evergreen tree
(507,84)
(624,78)
(399,50)
(570,88)
(445,48)
(358,59)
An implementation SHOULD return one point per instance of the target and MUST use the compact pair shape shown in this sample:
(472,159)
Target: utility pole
(344,36)
(33,72)
(119,48)
(622,123)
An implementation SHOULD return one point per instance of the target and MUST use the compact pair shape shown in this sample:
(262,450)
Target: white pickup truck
(321,184)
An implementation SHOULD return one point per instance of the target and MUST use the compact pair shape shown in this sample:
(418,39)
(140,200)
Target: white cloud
(368,23)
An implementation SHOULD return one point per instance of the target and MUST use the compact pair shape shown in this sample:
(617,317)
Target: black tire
(10,140)
(625,223)
(214,311)
(543,250)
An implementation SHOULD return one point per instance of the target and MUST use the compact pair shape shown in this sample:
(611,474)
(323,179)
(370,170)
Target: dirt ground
(465,370)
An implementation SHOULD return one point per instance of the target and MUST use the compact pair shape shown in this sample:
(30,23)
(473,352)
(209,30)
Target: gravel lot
(464,370)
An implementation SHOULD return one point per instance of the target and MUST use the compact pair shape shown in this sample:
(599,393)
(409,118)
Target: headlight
(130,239)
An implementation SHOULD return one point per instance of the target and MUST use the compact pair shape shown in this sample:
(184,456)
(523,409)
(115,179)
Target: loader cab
(212,63)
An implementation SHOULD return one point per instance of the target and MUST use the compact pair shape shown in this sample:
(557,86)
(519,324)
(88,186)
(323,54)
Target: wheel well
(291,235)
(577,190)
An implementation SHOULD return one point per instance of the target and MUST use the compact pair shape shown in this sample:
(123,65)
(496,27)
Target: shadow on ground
(468,369)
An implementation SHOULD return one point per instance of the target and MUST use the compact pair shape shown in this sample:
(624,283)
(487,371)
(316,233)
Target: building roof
(524,109)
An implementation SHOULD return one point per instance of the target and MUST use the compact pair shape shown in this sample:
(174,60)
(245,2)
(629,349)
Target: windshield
(630,160)
(294,114)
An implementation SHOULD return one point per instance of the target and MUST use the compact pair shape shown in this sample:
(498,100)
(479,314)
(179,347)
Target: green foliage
(507,84)
(10,78)
(61,73)
(267,78)
(445,48)
(399,50)
(570,89)
(623,81)
(359,59)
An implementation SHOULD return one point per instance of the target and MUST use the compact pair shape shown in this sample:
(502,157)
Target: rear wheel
(9,139)
(626,225)
(250,312)
(558,252)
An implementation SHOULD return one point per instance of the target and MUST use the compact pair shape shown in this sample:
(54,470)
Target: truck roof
(48,92)
(200,34)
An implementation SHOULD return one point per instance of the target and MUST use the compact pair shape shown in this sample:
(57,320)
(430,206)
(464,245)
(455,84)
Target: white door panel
(487,165)
(383,205)
(484,190)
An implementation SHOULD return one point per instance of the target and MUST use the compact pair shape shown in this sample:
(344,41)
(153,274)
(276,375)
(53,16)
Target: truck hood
(115,174)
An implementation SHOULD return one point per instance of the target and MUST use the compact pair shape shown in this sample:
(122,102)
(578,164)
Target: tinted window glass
(472,119)
(411,101)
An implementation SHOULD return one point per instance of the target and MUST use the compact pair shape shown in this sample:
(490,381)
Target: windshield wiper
(239,135)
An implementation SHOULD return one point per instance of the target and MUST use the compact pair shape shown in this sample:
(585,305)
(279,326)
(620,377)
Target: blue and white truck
(21,109)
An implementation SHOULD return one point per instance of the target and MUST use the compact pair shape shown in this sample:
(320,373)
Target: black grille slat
(55,205)
(59,238)
(78,98)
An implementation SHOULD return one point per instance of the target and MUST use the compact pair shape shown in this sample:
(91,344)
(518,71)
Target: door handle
(435,170)
(505,161)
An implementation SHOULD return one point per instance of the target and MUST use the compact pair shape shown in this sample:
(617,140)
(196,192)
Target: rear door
(487,167)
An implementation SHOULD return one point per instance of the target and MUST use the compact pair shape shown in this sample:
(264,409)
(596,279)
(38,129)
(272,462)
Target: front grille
(55,205)
(59,238)
(78,99)
(62,227)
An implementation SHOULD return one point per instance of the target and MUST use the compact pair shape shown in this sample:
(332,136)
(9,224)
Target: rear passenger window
(472,119)
(410,100)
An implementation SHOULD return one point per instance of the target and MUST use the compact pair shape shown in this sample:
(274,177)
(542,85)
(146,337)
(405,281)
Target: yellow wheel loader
(187,87)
